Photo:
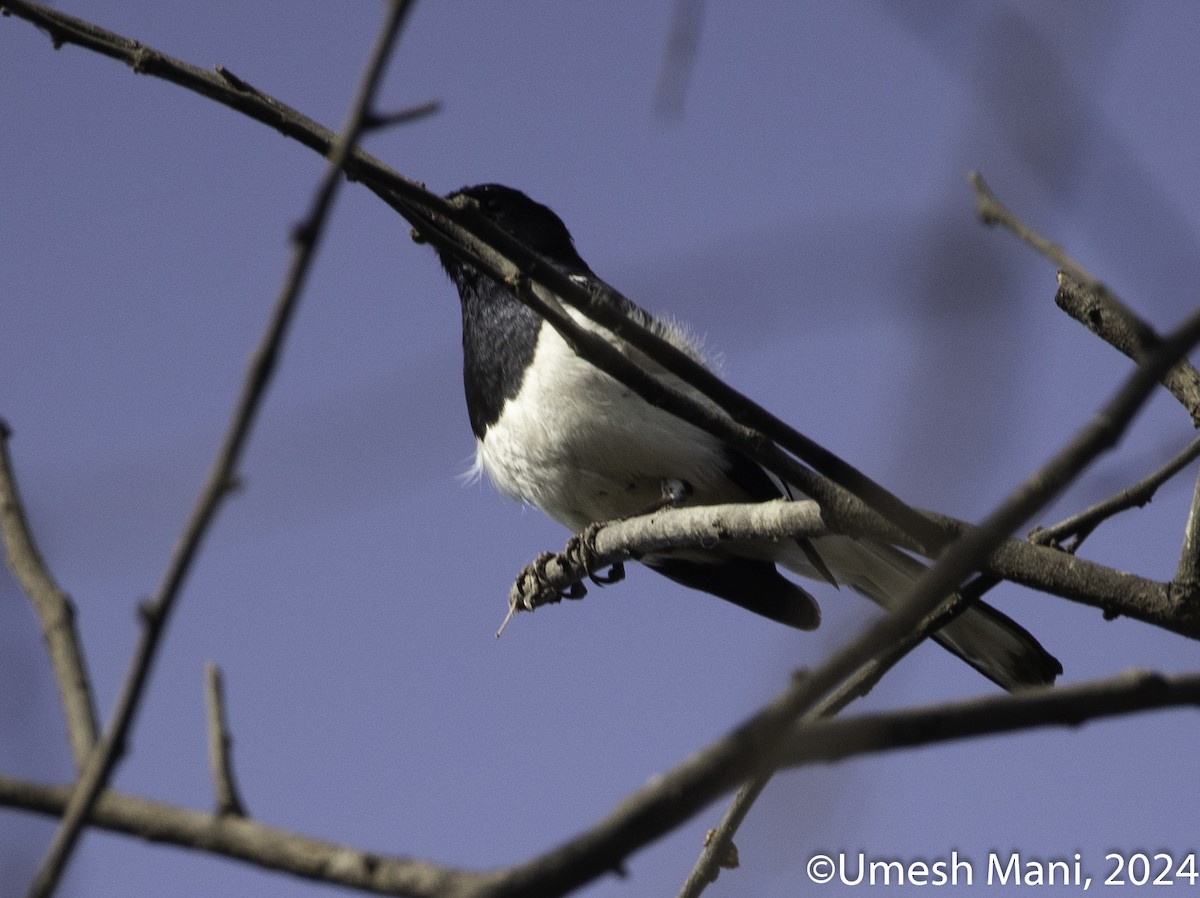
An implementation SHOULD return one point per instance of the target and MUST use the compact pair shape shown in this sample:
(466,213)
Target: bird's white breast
(583,448)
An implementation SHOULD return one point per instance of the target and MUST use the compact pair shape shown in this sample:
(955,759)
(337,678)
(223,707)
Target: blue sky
(808,215)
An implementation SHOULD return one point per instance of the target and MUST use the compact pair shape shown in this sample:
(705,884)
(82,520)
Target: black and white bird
(558,433)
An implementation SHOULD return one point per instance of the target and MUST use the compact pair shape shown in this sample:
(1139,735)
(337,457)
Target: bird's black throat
(499,338)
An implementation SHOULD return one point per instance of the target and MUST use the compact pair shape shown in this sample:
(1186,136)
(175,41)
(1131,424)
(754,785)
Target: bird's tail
(990,641)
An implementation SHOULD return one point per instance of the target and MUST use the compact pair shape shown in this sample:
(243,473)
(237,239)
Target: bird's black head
(528,221)
(499,332)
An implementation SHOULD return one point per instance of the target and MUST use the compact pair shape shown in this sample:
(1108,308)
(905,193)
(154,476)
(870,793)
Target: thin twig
(402,116)
(1116,593)
(1135,690)
(1080,526)
(54,609)
(1089,301)
(156,613)
(1110,320)
(220,744)
(993,212)
(719,845)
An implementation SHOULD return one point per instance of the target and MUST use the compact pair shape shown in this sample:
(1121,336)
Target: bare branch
(1080,526)
(156,613)
(831,740)
(993,212)
(1110,320)
(239,838)
(220,745)
(1090,302)
(54,609)
(546,580)
(719,845)
(1046,569)
(1116,593)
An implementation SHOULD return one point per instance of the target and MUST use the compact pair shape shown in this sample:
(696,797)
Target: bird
(556,432)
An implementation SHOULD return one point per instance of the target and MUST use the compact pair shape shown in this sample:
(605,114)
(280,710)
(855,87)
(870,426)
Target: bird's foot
(536,586)
(581,553)
(573,590)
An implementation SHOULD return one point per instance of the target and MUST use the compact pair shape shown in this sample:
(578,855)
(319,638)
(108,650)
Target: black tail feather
(754,585)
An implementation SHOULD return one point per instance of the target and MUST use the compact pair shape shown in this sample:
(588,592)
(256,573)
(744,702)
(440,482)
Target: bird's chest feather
(583,448)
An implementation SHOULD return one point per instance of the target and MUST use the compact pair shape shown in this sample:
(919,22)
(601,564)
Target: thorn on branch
(220,745)
(234,81)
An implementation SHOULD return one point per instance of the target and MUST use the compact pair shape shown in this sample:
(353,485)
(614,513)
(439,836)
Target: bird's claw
(547,594)
(581,553)
(616,573)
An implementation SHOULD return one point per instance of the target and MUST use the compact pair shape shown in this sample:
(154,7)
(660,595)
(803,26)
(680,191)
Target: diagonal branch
(719,845)
(1101,433)
(1135,690)
(156,613)
(1089,301)
(1079,526)
(54,609)
(969,551)
(1115,323)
